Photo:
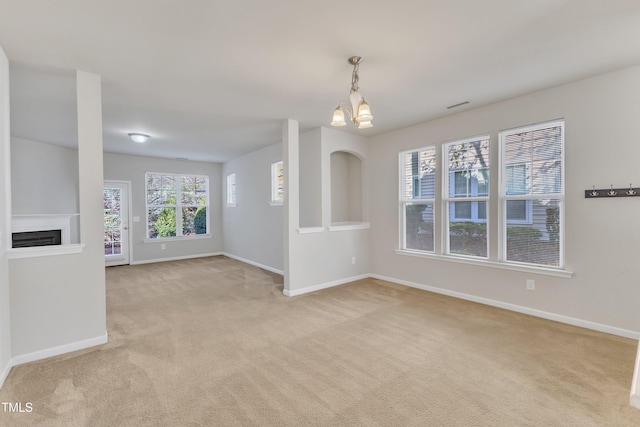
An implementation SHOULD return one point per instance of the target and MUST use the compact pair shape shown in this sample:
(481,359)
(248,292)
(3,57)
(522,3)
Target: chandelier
(357,108)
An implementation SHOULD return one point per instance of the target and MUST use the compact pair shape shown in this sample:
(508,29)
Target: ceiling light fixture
(357,108)
(139,137)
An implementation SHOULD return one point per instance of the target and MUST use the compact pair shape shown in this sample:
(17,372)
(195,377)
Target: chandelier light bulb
(138,137)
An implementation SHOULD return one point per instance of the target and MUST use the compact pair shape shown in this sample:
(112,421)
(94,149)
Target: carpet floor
(213,342)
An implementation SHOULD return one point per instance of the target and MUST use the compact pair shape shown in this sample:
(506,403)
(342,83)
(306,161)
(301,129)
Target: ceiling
(212,80)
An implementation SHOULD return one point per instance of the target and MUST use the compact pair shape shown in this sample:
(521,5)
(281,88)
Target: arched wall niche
(346,187)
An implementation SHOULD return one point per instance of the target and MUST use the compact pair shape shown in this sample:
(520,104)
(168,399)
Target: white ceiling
(212,80)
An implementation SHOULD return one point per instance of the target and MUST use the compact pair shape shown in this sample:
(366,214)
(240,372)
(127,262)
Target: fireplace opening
(27,239)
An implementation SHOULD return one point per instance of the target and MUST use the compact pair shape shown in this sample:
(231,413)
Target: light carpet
(213,341)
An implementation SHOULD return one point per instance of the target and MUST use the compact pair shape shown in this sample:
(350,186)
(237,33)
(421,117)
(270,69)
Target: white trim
(58,350)
(344,226)
(486,263)
(176,238)
(634,397)
(5,373)
(40,251)
(177,258)
(43,222)
(255,264)
(325,285)
(309,230)
(518,308)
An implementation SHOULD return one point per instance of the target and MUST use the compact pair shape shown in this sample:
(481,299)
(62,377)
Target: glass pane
(419,174)
(194,221)
(419,226)
(538,242)
(517,210)
(162,222)
(112,221)
(468,237)
(468,164)
(460,210)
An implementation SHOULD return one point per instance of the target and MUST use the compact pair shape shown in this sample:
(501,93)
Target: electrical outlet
(163,246)
(353,260)
(531,285)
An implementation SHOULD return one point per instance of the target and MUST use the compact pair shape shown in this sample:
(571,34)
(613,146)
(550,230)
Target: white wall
(253,228)
(5,219)
(310,191)
(44,178)
(602,149)
(325,258)
(58,302)
(133,168)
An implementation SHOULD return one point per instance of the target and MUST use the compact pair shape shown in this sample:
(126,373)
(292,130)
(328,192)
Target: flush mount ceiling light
(139,137)
(357,108)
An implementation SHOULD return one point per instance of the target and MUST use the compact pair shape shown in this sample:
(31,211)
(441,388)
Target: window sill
(177,238)
(41,251)
(547,271)
(343,226)
(309,230)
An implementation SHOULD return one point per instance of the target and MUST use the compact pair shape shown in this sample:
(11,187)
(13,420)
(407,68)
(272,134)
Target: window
(277,178)
(417,195)
(231,190)
(177,205)
(532,194)
(466,192)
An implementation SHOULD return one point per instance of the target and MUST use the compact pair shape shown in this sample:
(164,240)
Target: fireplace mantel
(43,222)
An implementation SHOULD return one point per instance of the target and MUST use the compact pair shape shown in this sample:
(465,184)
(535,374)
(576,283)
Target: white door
(116,222)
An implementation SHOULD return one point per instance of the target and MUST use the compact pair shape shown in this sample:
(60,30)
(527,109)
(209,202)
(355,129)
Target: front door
(116,222)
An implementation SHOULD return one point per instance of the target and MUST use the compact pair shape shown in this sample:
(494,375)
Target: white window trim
(178,206)
(231,190)
(403,202)
(503,197)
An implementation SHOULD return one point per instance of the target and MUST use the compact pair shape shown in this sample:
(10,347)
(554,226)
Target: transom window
(177,205)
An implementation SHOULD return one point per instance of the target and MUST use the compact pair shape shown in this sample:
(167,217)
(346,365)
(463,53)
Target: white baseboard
(177,258)
(5,373)
(325,285)
(520,309)
(635,384)
(61,349)
(255,264)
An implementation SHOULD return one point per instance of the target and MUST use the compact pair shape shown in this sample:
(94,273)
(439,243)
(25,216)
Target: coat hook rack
(611,192)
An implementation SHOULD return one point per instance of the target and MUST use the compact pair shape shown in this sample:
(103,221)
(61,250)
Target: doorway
(116,222)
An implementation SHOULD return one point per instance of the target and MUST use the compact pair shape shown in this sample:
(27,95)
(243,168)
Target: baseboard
(325,285)
(177,258)
(61,349)
(5,373)
(517,308)
(255,264)
(635,384)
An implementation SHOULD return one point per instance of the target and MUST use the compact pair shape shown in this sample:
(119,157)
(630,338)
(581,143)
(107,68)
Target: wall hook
(631,191)
(594,192)
(612,192)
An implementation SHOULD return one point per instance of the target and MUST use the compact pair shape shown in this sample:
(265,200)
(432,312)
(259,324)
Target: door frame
(127,184)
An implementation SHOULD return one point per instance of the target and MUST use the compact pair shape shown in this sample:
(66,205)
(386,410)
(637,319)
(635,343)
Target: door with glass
(116,223)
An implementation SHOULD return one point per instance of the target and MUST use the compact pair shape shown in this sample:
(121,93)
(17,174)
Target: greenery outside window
(177,205)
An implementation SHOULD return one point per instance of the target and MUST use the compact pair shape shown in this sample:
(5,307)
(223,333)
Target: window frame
(449,197)
(277,183)
(405,201)
(178,206)
(530,196)
(231,190)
